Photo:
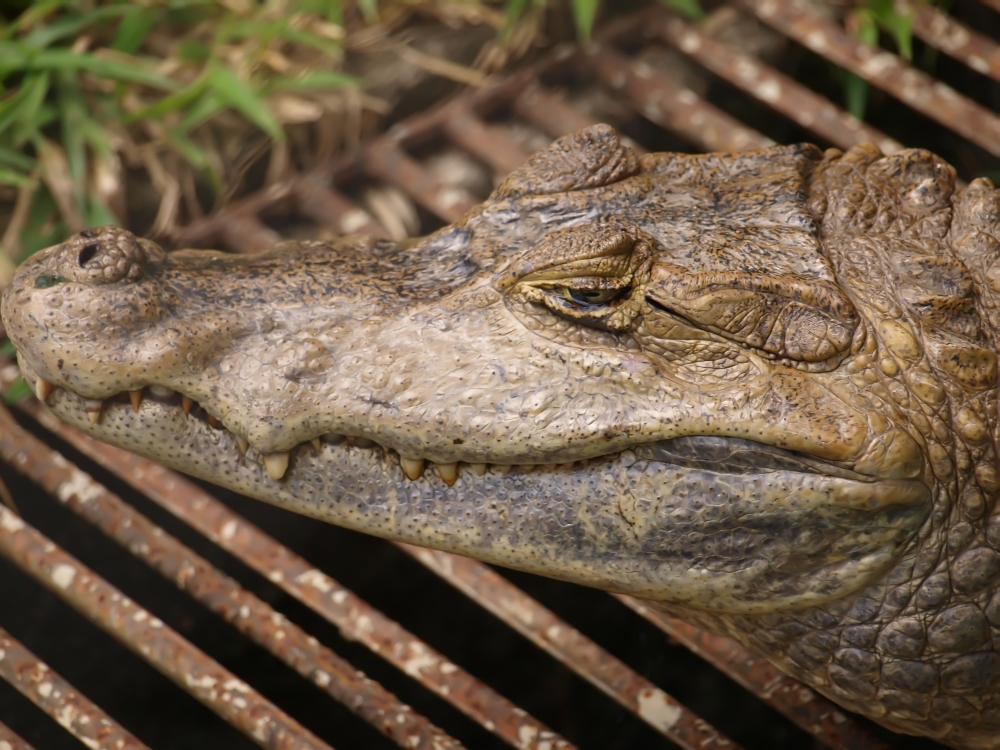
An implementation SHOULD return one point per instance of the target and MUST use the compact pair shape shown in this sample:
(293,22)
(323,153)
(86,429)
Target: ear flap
(589,158)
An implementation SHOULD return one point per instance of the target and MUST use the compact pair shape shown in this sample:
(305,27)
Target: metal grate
(490,131)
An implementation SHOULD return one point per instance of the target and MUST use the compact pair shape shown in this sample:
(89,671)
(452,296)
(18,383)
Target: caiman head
(740,383)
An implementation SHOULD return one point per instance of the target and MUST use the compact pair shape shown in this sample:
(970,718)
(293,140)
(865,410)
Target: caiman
(756,389)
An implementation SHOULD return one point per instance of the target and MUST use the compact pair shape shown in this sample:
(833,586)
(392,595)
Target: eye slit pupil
(594,296)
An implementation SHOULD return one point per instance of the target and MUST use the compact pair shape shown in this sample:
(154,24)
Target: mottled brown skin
(756,389)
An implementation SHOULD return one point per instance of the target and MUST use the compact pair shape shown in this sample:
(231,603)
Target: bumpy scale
(756,389)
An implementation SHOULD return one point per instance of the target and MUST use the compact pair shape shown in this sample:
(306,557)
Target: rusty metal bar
(218,592)
(550,112)
(332,209)
(356,620)
(11,741)
(490,146)
(803,706)
(884,70)
(53,694)
(385,160)
(760,80)
(567,644)
(168,651)
(243,232)
(672,106)
(956,39)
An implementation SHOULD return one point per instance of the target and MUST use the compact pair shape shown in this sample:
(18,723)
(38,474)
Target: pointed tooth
(242,442)
(479,469)
(213,421)
(136,398)
(316,444)
(412,467)
(186,404)
(448,472)
(161,391)
(276,464)
(42,389)
(93,408)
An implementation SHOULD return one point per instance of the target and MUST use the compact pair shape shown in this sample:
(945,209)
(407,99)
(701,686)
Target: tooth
(526,467)
(136,398)
(412,467)
(161,391)
(448,472)
(242,442)
(212,421)
(93,408)
(479,469)
(42,389)
(186,404)
(276,464)
(316,444)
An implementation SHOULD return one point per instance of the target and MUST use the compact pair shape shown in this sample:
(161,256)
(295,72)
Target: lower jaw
(619,522)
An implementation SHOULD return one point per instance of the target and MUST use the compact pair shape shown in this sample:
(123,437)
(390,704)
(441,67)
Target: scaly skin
(758,390)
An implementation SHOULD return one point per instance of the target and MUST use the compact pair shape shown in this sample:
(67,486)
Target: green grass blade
(24,105)
(15,178)
(171,102)
(369,9)
(316,79)
(71,25)
(238,95)
(16,159)
(96,214)
(201,111)
(18,391)
(35,13)
(132,31)
(584,12)
(136,71)
(690,9)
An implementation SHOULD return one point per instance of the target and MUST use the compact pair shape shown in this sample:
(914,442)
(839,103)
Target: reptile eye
(594,296)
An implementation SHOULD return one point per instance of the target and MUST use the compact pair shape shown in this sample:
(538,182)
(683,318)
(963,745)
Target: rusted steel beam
(764,83)
(332,209)
(356,620)
(884,70)
(12,740)
(139,630)
(672,106)
(806,708)
(487,144)
(218,592)
(243,232)
(956,39)
(564,642)
(385,160)
(53,694)
(222,226)
(552,114)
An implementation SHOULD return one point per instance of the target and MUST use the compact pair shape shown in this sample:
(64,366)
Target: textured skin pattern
(758,390)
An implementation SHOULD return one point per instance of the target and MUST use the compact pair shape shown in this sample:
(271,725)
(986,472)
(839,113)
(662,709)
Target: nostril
(87,253)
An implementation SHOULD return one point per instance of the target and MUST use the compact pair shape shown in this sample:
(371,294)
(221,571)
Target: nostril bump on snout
(87,253)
